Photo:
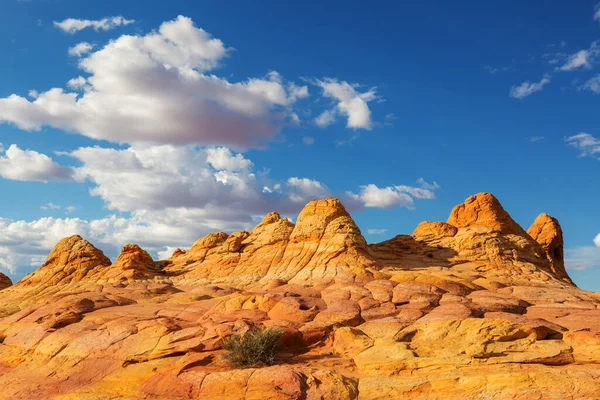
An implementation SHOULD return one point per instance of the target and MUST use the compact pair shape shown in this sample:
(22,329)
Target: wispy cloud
(597,12)
(73,25)
(528,88)
(582,58)
(593,84)
(494,71)
(535,139)
(376,231)
(582,258)
(588,145)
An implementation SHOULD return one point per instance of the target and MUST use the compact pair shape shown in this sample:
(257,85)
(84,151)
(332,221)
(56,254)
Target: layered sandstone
(471,308)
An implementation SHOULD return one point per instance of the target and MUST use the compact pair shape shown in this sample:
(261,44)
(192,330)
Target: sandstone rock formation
(471,308)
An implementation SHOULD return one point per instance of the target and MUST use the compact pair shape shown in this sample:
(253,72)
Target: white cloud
(302,190)
(393,196)
(376,231)
(70,209)
(325,119)
(593,84)
(222,158)
(528,88)
(153,89)
(308,140)
(582,58)
(597,12)
(351,103)
(73,25)
(535,139)
(29,165)
(77,83)
(577,60)
(597,240)
(50,206)
(588,145)
(373,196)
(80,49)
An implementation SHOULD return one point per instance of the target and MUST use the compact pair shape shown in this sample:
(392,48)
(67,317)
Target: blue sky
(159,123)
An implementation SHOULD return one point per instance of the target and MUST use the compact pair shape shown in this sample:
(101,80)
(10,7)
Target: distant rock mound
(4,281)
(70,261)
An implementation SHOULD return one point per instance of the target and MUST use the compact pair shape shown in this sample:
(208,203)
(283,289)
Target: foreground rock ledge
(475,307)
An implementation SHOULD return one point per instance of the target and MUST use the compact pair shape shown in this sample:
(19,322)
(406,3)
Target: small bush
(257,347)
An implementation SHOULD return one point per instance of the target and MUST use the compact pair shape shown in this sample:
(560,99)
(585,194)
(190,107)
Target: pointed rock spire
(547,232)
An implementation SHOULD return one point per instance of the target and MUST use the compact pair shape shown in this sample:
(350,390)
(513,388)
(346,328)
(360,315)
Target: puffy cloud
(29,165)
(373,196)
(222,158)
(528,88)
(73,25)
(597,12)
(588,145)
(77,83)
(303,190)
(80,49)
(154,89)
(393,196)
(351,103)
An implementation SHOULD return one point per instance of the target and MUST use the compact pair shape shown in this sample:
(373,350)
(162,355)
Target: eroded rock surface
(471,308)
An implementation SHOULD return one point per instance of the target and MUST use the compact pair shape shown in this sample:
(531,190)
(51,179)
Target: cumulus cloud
(302,190)
(350,103)
(29,165)
(223,158)
(528,88)
(394,196)
(74,25)
(80,49)
(155,88)
(588,145)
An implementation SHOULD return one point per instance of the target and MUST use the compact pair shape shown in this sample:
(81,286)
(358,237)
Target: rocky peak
(547,232)
(69,261)
(134,257)
(328,216)
(484,210)
(268,219)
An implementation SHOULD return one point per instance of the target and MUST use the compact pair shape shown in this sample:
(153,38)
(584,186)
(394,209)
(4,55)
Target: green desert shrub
(257,347)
